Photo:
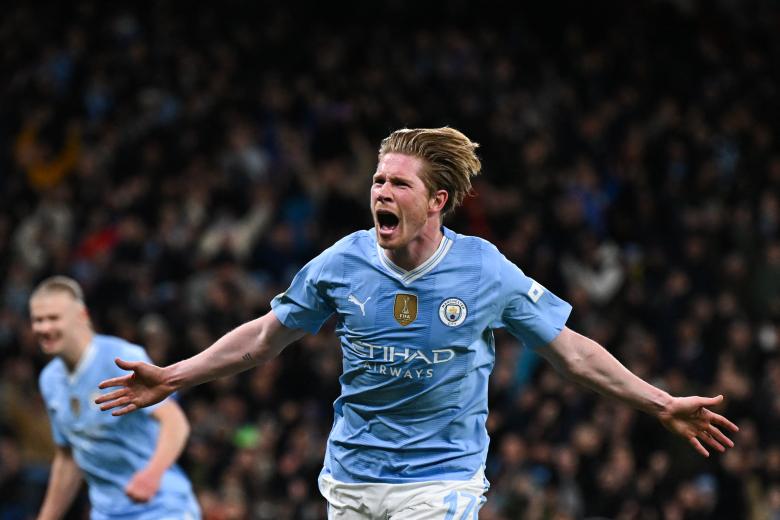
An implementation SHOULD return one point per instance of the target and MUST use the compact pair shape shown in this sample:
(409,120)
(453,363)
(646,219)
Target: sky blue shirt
(417,350)
(108,449)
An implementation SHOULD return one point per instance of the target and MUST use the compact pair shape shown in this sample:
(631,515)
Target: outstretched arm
(64,482)
(240,349)
(591,365)
(174,430)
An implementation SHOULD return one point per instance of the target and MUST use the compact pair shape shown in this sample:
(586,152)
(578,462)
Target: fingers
(124,411)
(110,396)
(126,365)
(115,381)
(138,490)
(120,400)
(713,437)
(714,417)
(137,495)
(718,436)
(711,401)
(115,400)
(707,437)
(698,447)
(722,421)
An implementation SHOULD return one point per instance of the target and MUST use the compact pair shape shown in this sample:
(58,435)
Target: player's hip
(422,500)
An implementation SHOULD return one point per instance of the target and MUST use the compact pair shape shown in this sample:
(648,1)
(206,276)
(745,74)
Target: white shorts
(430,500)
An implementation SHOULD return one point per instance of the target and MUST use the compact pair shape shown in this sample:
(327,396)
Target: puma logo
(353,299)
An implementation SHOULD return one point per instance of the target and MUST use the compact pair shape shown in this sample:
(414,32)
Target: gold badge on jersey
(405,308)
(75,406)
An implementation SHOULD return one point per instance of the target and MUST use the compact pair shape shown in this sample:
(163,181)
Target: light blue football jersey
(108,449)
(417,349)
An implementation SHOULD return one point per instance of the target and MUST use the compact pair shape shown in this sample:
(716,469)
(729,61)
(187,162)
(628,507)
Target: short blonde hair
(450,159)
(61,284)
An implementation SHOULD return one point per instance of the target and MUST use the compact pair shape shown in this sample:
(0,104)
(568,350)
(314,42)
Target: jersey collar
(84,362)
(407,277)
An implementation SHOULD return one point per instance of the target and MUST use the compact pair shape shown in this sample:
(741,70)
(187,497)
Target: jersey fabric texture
(108,449)
(417,350)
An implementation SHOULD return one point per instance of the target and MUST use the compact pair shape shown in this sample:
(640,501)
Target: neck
(72,356)
(420,249)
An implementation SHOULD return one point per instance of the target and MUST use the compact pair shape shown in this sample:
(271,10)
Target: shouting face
(403,208)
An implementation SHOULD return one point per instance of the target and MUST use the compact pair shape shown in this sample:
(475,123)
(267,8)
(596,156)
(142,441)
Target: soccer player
(416,305)
(128,462)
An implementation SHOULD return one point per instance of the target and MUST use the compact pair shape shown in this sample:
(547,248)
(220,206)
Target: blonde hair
(61,284)
(450,159)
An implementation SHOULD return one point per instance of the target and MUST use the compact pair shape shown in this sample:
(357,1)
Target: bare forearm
(588,363)
(242,348)
(64,483)
(174,430)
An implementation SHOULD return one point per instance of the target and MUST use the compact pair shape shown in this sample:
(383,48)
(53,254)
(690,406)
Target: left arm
(174,431)
(588,363)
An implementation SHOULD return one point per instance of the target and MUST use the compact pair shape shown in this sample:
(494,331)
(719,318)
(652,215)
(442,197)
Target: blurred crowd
(184,162)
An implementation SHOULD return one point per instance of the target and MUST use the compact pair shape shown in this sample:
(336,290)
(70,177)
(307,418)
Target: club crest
(452,312)
(75,406)
(405,308)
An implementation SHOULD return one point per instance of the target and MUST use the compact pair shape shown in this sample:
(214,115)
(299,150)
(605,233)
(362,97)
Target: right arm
(242,348)
(64,482)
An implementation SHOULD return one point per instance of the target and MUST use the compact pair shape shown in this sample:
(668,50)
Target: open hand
(689,418)
(143,387)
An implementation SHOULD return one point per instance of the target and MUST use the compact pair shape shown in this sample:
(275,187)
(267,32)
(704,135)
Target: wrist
(661,403)
(154,471)
(173,377)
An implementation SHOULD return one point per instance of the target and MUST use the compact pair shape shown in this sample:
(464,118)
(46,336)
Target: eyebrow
(393,177)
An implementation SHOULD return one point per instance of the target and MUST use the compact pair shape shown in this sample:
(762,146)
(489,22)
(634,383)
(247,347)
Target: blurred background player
(416,305)
(128,462)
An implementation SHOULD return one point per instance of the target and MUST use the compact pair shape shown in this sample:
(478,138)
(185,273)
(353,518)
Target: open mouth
(386,220)
(47,342)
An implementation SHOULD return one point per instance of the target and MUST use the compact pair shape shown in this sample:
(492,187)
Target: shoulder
(112,346)
(476,245)
(358,241)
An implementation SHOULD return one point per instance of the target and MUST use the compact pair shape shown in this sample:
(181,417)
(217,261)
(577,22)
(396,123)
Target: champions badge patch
(405,308)
(452,312)
(75,406)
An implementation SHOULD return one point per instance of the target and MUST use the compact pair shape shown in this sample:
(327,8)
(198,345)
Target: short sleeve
(56,434)
(304,304)
(531,313)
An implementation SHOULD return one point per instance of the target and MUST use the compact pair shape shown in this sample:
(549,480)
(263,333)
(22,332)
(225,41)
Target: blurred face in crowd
(404,210)
(60,323)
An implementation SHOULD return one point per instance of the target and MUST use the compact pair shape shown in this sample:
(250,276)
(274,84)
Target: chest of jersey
(420,342)
(435,311)
(75,414)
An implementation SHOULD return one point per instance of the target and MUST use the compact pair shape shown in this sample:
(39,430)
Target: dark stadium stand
(182,162)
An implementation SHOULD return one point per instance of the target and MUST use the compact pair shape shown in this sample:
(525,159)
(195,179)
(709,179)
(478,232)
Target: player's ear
(83,313)
(438,200)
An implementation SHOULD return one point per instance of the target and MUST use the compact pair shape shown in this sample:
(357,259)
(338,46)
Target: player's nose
(44,327)
(384,192)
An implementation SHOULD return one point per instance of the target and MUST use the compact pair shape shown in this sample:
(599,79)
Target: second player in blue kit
(127,462)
